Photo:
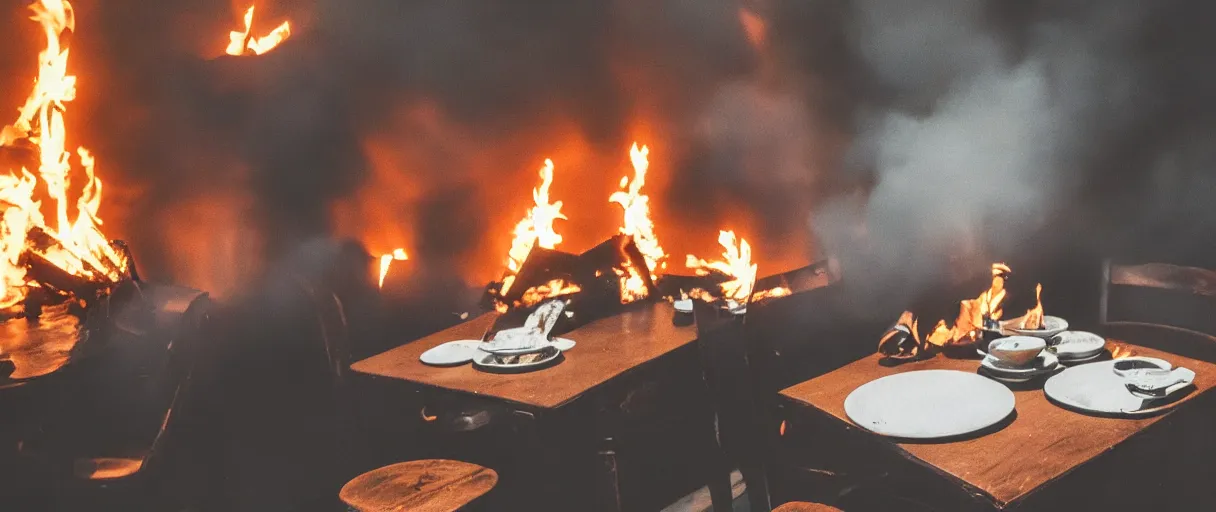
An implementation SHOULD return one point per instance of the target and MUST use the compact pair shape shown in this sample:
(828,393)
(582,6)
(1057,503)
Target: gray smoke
(980,135)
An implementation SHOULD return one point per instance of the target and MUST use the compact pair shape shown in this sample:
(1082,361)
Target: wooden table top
(605,349)
(1042,443)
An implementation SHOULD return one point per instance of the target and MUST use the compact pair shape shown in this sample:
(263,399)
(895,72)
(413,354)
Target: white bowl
(1052,325)
(1017,350)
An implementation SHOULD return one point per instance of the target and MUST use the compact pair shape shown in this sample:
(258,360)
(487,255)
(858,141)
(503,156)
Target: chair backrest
(1158,293)
(723,346)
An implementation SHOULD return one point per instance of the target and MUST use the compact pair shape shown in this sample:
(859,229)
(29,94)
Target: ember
(68,256)
(241,42)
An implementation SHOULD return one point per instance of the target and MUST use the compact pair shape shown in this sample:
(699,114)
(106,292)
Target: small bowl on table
(1052,325)
(1017,350)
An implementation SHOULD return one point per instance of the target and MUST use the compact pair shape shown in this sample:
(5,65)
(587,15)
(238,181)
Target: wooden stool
(418,486)
(802,506)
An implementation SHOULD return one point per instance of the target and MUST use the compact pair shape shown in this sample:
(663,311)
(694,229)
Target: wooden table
(1010,467)
(624,372)
(605,349)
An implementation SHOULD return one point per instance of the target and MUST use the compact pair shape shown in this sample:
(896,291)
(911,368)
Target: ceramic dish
(1095,388)
(1052,325)
(452,353)
(504,363)
(1046,362)
(929,404)
(683,305)
(1082,360)
(1016,351)
(1073,345)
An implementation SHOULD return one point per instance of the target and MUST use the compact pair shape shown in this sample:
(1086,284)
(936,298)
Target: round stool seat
(418,486)
(802,506)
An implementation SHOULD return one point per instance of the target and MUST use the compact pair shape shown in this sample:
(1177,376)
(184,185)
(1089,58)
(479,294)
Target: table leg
(608,484)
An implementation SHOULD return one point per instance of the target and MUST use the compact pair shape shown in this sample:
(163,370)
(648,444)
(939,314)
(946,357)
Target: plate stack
(1076,347)
(1045,363)
(1018,359)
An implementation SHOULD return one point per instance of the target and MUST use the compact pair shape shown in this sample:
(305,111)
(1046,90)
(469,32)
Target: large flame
(635,221)
(240,42)
(975,313)
(76,246)
(536,228)
(386,261)
(737,264)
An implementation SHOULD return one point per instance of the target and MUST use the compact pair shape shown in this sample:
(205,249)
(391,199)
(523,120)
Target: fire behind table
(598,283)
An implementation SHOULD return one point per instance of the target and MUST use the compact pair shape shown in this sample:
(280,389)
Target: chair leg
(757,488)
(720,493)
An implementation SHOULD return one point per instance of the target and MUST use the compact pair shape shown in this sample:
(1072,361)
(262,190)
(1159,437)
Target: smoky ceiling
(932,123)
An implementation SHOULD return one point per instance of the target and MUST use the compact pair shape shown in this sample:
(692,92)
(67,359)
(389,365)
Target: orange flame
(386,260)
(633,286)
(636,220)
(536,228)
(239,42)
(1034,316)
(973,312)
(736,263)
(76,246)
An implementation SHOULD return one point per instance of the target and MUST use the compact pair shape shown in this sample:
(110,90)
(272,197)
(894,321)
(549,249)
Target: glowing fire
(75,246)
(536,228)
(554,288)
(636,219)
(386,261)
(1034,317)
(737,264)
(1120,352)
(239,42)
(974,312)
(633,285)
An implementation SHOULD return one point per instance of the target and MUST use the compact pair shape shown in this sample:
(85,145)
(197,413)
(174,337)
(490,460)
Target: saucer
(1046,362)
(1082,360)
(1076,345)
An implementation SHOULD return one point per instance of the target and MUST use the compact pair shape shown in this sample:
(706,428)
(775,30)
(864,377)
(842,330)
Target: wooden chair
(418,486)
(736,376)
(1165,306)
(117,438)
(802,506)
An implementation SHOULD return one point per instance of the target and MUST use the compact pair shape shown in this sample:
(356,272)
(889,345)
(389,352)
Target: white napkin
(535,331)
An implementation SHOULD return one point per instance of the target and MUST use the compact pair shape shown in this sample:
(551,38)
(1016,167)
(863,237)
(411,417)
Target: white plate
(1052,325)
(451,353)
(929,404)
(1073,345)
(1096,388)
(563,344)
(1046,362)
(1081,360)
(486,362)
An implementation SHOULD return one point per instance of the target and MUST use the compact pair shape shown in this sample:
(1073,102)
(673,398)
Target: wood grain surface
(418,486)
(1043,442)
(803,506)
(605,349)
